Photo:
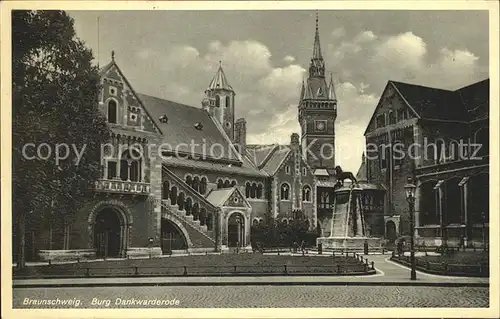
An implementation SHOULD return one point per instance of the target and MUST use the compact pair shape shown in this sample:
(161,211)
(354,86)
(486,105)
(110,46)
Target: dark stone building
(440,138)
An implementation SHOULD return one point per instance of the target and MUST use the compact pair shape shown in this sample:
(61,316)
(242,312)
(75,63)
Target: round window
(236,200)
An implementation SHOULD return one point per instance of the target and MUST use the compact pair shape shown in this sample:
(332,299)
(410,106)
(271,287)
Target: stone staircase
(200,235)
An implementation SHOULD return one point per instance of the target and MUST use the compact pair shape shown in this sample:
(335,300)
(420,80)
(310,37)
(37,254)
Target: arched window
(259,190)
(253,190)
(220,184)
(233,183)
(203,185)
(285,191)
(228,101)
(189,180)
(196,183)
(247,190)
(392,118)
(306,193)
(130,166)
(227,183)
(112,111)
(217,101)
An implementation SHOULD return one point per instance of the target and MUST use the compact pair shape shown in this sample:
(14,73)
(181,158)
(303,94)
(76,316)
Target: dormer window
(164,119)
(198,126)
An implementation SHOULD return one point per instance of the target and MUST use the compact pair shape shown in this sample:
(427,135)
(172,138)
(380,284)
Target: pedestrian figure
(303,247)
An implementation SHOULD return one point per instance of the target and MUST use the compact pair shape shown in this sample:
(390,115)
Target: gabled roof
(439,104)
(276,159)
(218,197)
(107,67)
(258,153)
(432,103)
(476,96)
(180,131)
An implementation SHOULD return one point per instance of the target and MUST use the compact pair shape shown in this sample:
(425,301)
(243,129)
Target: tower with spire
(318,112)
(219,101)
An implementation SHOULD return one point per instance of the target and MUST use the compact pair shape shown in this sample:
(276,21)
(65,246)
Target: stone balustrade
(124,187)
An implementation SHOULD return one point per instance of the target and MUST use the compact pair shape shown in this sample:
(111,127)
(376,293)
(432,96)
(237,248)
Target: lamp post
(410,197)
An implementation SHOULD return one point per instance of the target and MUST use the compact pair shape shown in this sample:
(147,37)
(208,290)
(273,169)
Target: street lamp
(410,197)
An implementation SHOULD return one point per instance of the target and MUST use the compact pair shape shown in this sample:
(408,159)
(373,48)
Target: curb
(284,283)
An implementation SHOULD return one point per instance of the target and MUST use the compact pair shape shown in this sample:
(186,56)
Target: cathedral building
(181,177)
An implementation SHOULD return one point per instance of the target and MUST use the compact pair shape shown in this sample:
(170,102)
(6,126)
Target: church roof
(277,158)
(433,103)
(219,81)
(181,130)
(258,153)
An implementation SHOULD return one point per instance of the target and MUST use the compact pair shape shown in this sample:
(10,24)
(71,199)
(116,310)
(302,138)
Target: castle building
(440,139)
(181,177)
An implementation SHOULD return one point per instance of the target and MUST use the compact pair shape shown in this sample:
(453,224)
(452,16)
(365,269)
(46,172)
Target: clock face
(320,126)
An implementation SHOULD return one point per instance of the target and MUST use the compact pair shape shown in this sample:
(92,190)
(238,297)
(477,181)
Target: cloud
(338,32)
(267,95)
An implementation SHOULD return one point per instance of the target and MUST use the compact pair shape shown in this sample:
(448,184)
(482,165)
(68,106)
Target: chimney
(240,135)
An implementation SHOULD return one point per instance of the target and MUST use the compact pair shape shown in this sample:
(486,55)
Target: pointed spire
(331,89)
(317,46)
(302,91)
(219,81)
(112,55)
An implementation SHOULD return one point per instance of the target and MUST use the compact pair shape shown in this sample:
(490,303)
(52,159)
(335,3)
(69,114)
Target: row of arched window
(197,183)
(285,192)
(217,101)
(226,183)
(254,190)
(392,117)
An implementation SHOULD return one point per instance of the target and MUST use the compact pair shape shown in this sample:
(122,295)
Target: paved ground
(259,296)
(304,291)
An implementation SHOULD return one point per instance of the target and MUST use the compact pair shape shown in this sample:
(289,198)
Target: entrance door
(236,230)
(107,234)
(390,231)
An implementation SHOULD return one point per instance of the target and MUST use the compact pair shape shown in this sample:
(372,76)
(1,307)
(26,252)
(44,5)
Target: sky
(265,56)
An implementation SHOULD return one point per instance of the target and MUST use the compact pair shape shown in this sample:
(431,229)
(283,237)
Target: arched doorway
(236,230)
(107,233)
(172,237)
(390,231)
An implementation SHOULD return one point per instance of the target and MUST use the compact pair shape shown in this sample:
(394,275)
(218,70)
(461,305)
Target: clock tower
(317,113)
